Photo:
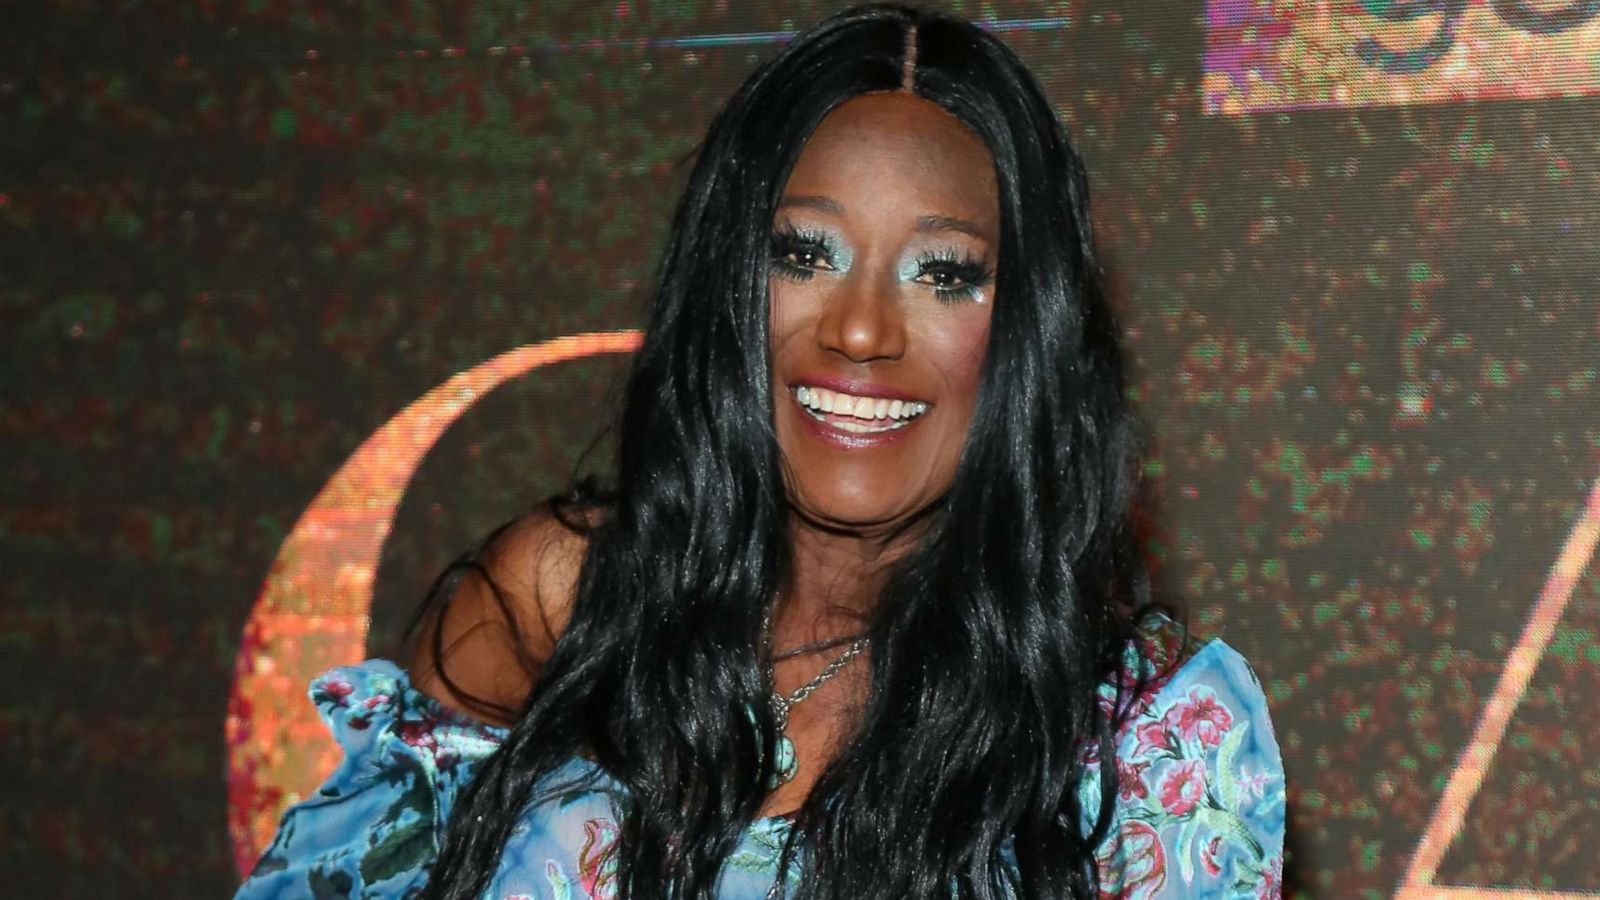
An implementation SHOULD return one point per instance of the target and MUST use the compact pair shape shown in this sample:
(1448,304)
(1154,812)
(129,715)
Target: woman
(859,609)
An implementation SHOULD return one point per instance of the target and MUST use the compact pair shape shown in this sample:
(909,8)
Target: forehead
(897,149)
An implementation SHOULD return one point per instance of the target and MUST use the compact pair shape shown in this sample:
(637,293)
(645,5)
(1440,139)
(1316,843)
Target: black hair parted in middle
(992,637)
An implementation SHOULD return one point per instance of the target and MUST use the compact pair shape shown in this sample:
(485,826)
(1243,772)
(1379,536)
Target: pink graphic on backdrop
(1264,55)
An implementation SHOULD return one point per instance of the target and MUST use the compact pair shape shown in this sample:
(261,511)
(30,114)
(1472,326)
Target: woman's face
(882,288)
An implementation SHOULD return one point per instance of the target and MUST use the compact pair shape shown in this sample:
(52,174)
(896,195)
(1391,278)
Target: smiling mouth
(857,415)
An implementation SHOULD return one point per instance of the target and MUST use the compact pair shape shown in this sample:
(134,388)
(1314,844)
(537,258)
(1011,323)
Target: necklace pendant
(786,766)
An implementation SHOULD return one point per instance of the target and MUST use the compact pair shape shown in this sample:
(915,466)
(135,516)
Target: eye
(943,279)
(954,277)
(798,254)
(807,258)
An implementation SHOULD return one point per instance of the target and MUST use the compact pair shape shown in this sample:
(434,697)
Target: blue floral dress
(1199,811)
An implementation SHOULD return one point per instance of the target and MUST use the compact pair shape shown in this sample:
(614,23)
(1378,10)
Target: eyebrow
(948,223)
(925,224)
(820,204)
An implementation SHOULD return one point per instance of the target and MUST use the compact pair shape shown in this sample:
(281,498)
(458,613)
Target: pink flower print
(597,860)
(1271,886)
(1151,738)
(1122,696)
(1209,852)
(1202,718)
(1134,865)
(1253,783)
(1147,696)
(424,737)
(1183,786)
(338,690)
(1130,780)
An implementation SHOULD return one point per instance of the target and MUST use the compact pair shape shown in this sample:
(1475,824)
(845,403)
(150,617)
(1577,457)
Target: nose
(863,321)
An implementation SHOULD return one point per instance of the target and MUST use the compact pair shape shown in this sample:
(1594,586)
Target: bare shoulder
(496,617)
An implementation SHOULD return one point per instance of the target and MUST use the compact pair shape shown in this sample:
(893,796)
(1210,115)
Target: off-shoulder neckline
(589,773)
(433,708)
(1189,659)
(429,706)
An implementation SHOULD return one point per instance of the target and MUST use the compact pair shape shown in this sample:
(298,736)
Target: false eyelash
(973,274)
(787,239)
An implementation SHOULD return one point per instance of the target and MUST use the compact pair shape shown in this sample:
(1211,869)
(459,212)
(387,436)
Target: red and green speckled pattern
(236,240)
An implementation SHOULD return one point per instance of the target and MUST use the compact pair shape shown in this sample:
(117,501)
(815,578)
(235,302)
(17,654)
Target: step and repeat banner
(300,298)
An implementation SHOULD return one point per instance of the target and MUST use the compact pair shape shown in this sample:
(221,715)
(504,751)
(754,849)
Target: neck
(834,580)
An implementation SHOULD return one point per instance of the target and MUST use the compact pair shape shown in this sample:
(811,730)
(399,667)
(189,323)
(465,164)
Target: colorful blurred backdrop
(299,298)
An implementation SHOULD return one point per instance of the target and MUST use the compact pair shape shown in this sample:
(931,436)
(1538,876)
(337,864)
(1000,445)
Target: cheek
(960,351)
(786,314)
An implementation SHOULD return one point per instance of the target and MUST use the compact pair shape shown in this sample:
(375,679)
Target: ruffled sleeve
(372,830)
(1199,811)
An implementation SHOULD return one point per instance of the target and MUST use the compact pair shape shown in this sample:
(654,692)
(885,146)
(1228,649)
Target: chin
(850,512)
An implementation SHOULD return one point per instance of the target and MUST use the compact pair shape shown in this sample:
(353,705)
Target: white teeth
(822,400)
(858,428)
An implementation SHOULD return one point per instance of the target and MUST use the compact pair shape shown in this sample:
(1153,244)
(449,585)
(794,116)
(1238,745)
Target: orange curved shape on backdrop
(313,613)
(313,610)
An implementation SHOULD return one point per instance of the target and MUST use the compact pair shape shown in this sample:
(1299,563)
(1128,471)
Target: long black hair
(990,638)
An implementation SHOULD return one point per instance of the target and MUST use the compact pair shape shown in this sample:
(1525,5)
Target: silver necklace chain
(813,647)
(782,703)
